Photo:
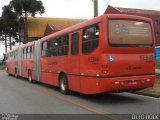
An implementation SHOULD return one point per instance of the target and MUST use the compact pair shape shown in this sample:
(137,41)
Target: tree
(8,25)
(9,19)
(0,27)
(25,8)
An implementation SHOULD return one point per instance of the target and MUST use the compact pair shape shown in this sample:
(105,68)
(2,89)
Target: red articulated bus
(107,53)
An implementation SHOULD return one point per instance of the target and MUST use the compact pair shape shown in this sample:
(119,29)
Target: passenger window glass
(54,47)
(28,52)
(74,43)
(59,46)
(24,53)
(31,52)
(45,48)
(90,39)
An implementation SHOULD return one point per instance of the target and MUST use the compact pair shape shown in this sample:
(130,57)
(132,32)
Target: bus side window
(31,51)
(10,56)
(24,53)
(28,52)
(44,49)
(75,43)
(90,39)
(13,55)
(16,55)
(63,45)
(54,47)
(59,46)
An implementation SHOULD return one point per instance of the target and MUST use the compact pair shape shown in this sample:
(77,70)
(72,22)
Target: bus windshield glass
(130,33)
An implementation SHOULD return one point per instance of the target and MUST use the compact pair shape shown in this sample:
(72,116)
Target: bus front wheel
(64,84)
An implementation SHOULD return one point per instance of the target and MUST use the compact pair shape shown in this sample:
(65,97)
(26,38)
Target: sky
(83,9)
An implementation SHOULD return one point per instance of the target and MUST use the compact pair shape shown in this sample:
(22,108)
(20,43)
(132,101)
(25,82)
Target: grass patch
(157,64)
(155,90)
(158,78)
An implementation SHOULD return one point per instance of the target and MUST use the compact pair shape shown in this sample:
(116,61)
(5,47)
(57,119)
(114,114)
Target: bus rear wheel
(64,84)
(30,76)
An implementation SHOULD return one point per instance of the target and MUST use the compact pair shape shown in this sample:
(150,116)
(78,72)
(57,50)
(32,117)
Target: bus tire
(30,76)
(16,73)
(63,83)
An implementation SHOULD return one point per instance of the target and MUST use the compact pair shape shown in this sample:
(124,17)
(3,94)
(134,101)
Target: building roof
(111,9)
(37,26)
(51,28)
(139,11)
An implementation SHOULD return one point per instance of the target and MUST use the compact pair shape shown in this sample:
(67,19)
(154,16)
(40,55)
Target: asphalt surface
(18,96)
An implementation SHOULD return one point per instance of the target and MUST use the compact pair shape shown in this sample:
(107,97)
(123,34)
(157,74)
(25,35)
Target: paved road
(19,96)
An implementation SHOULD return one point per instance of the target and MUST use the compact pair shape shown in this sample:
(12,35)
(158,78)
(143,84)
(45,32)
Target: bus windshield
(130,33)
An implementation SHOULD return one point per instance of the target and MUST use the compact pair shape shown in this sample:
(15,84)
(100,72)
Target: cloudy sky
(84,8)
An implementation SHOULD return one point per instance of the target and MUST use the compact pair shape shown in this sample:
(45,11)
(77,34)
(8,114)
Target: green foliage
(1,28)
(1,65)
(9,24)
(26,8)
(16,12)
(157,64)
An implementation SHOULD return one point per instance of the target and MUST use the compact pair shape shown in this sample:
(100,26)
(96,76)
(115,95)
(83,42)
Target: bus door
(75,63)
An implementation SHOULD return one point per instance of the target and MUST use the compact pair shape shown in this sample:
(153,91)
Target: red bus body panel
(105,69)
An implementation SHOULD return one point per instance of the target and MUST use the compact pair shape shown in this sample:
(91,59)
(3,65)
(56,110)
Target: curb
(146,94)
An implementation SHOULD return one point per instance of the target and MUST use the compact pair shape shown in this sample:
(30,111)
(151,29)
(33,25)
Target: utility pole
(5,38)
(95,2)
(10,42)
(5,42)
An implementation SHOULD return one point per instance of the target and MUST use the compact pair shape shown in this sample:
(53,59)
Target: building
(154,15)
(37,27)
(51,28)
